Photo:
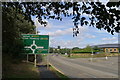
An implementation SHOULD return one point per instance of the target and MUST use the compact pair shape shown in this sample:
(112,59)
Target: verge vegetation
(88,55)
(13,69)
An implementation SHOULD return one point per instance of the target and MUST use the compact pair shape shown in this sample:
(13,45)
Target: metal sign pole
(35,60)
(27,57)
(48,59)
(47,62)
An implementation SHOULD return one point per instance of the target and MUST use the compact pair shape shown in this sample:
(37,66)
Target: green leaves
(13,25)
(113,4)
(101,16)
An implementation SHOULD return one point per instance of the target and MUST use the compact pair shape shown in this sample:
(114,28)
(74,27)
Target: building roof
(107,46)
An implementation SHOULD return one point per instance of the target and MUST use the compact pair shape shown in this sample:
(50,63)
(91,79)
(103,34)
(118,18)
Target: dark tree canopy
(99,16)
(75,48)
(13,25)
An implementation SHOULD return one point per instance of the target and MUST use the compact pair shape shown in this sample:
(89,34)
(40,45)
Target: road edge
(56,69)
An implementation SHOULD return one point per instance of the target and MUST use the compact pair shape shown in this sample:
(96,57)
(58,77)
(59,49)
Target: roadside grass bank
(60,75)
(88,55)
(13,68)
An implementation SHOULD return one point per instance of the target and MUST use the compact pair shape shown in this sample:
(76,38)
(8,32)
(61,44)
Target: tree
(75,48)
(100,16)
(63,51)
(88,49)
(51,50)
(59,47)
(95,48)
(13,25)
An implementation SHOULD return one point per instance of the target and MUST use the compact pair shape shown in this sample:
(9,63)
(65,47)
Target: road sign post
(27,57)
(48,59)
(47,62)
(35,60)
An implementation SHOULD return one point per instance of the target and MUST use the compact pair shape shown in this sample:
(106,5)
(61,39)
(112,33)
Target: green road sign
(36,44)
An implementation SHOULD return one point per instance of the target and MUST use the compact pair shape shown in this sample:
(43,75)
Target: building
(109,48)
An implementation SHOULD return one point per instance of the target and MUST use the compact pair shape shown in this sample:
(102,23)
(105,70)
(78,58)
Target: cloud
(75,41)
(60,32)
(110,39)
(90,36)
(64,43)
(66,31)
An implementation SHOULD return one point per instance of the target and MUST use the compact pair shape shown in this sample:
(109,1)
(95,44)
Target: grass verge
(21,69)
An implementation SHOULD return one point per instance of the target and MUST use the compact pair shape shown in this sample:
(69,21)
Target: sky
(61,34)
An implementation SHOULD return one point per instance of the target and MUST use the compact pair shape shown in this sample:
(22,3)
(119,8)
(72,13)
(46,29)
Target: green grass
(60,75)
(18,69)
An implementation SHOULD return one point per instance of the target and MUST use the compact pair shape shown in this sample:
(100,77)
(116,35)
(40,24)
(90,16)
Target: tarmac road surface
(83,68)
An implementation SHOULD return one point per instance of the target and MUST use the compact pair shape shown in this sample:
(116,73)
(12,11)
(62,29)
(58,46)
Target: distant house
(109,48)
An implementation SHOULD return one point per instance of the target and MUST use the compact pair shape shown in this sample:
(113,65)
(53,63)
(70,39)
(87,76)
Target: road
(83,68)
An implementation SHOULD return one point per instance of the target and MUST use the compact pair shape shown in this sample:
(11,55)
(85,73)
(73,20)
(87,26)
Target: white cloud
(60,32)
(109,42)
(90,36)
(109,39)
(64,43)
(66,31)
(75,41)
